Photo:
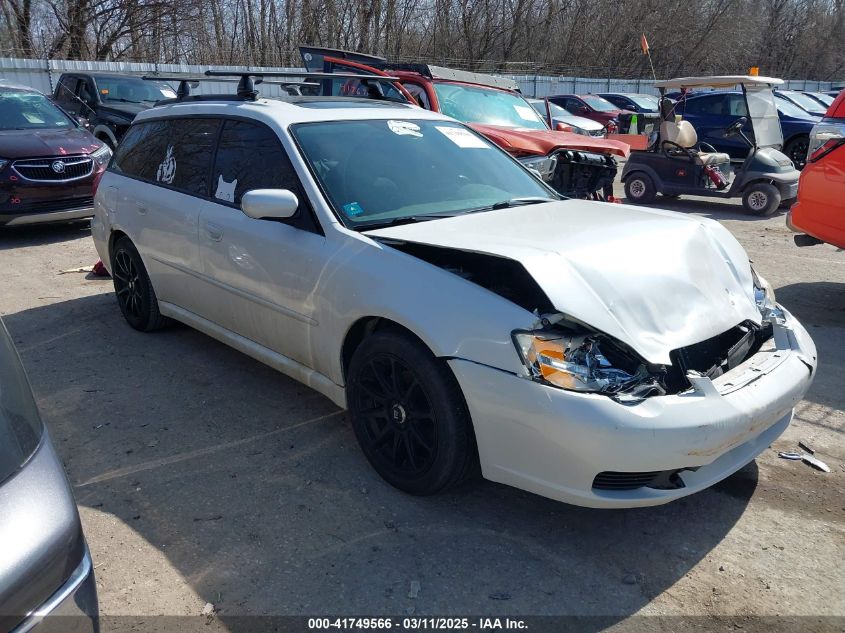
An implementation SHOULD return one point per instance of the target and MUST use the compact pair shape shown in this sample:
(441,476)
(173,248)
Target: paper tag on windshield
(525,113)
(404,128)
(167,92)
(461,137)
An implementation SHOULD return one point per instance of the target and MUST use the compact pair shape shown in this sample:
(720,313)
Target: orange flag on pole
(644,44)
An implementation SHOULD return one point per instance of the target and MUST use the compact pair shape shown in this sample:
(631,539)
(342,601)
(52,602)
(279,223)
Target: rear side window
(142,141)
(250,156)
(175,153)
(186,160)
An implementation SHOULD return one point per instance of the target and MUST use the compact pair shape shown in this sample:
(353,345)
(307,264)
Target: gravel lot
(204,476)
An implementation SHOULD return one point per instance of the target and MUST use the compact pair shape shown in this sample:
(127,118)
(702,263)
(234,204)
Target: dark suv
(108,102)
(49,164)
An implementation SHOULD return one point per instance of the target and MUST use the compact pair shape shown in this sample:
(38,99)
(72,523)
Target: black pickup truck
(108,102)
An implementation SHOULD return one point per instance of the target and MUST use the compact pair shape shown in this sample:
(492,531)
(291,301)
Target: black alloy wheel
(134,291)
(409,414)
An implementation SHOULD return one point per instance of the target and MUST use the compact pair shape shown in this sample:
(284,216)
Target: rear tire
(761,199)
(639,188)
(133,288)
(409,414)
(796,149)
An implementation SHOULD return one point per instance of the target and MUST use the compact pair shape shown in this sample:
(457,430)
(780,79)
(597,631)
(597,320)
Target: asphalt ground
(203,477)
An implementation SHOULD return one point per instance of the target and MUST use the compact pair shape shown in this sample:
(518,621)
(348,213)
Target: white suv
(399,263)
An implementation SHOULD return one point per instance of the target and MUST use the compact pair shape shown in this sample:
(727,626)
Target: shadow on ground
(40,234)
(254,488)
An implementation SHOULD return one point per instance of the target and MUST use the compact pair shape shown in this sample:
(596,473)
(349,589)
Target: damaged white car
(411,271)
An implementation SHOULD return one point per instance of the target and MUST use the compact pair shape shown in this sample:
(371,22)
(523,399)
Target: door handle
(214,231)
(142,209)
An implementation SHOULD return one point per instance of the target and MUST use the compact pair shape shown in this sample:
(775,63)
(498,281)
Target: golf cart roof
(717,81)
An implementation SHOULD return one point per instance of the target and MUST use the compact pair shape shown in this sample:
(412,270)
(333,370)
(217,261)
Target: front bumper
(554,442)
(72,608)
(45,217)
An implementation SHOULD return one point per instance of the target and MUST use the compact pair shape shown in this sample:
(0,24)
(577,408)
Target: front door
(260,274)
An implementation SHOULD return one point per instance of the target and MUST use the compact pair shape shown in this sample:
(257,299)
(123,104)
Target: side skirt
(287,366)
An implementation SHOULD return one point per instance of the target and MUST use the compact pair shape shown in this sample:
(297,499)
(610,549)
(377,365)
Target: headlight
(764,297)
(543,166)
(575,362)
(102,155)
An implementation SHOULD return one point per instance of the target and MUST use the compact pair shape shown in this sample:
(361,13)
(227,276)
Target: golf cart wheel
(135,295)
(796,149)
(409,414)
(761,199)
(639,188)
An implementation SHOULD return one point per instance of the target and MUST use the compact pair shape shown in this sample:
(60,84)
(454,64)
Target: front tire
(761,199)
(639,188)
(409,414)
(133,288)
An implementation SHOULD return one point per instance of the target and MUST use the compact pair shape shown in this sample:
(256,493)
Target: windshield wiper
(517,202)
(409,219)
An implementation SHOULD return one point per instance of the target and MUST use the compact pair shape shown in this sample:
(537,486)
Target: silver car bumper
(71,609)
(50,216)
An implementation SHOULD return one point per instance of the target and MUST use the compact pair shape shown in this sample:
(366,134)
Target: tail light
(825,137)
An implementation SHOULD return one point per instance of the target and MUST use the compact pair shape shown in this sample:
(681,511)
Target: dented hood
(528,141)
(654,279)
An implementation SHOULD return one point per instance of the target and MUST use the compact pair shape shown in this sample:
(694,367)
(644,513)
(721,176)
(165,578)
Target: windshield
(387,171)
(129,90)
(487,105)
(764,116)
(20,425)
(646,102)
(22,110)
(808,103)
(820,96)
(790,109)
(599,103)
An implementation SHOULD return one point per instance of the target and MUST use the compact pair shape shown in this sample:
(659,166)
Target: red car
(596,108)
(819,213)
(573,164)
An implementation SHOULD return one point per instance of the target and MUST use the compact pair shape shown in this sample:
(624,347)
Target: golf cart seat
(683,134)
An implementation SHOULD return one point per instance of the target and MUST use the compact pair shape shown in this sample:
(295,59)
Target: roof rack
(247,83)
(248,80)
(314,56)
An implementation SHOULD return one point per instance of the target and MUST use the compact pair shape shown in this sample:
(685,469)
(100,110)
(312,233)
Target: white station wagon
(415,274)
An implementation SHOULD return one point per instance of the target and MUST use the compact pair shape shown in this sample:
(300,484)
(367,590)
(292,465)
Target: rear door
(260,275)
(167,164)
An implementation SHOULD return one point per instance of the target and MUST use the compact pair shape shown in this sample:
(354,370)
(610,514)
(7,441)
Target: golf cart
(676,163)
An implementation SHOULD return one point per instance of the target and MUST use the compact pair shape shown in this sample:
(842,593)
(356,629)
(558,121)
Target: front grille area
(55,169)
(578,174)
(658,479)
(47,206)
(715,356)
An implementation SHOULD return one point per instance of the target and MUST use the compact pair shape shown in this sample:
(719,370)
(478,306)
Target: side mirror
(583,110)
(262,204)
(83,122)
(562,127)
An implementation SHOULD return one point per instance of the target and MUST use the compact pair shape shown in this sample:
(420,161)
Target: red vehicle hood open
(36,143)
(524,141)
